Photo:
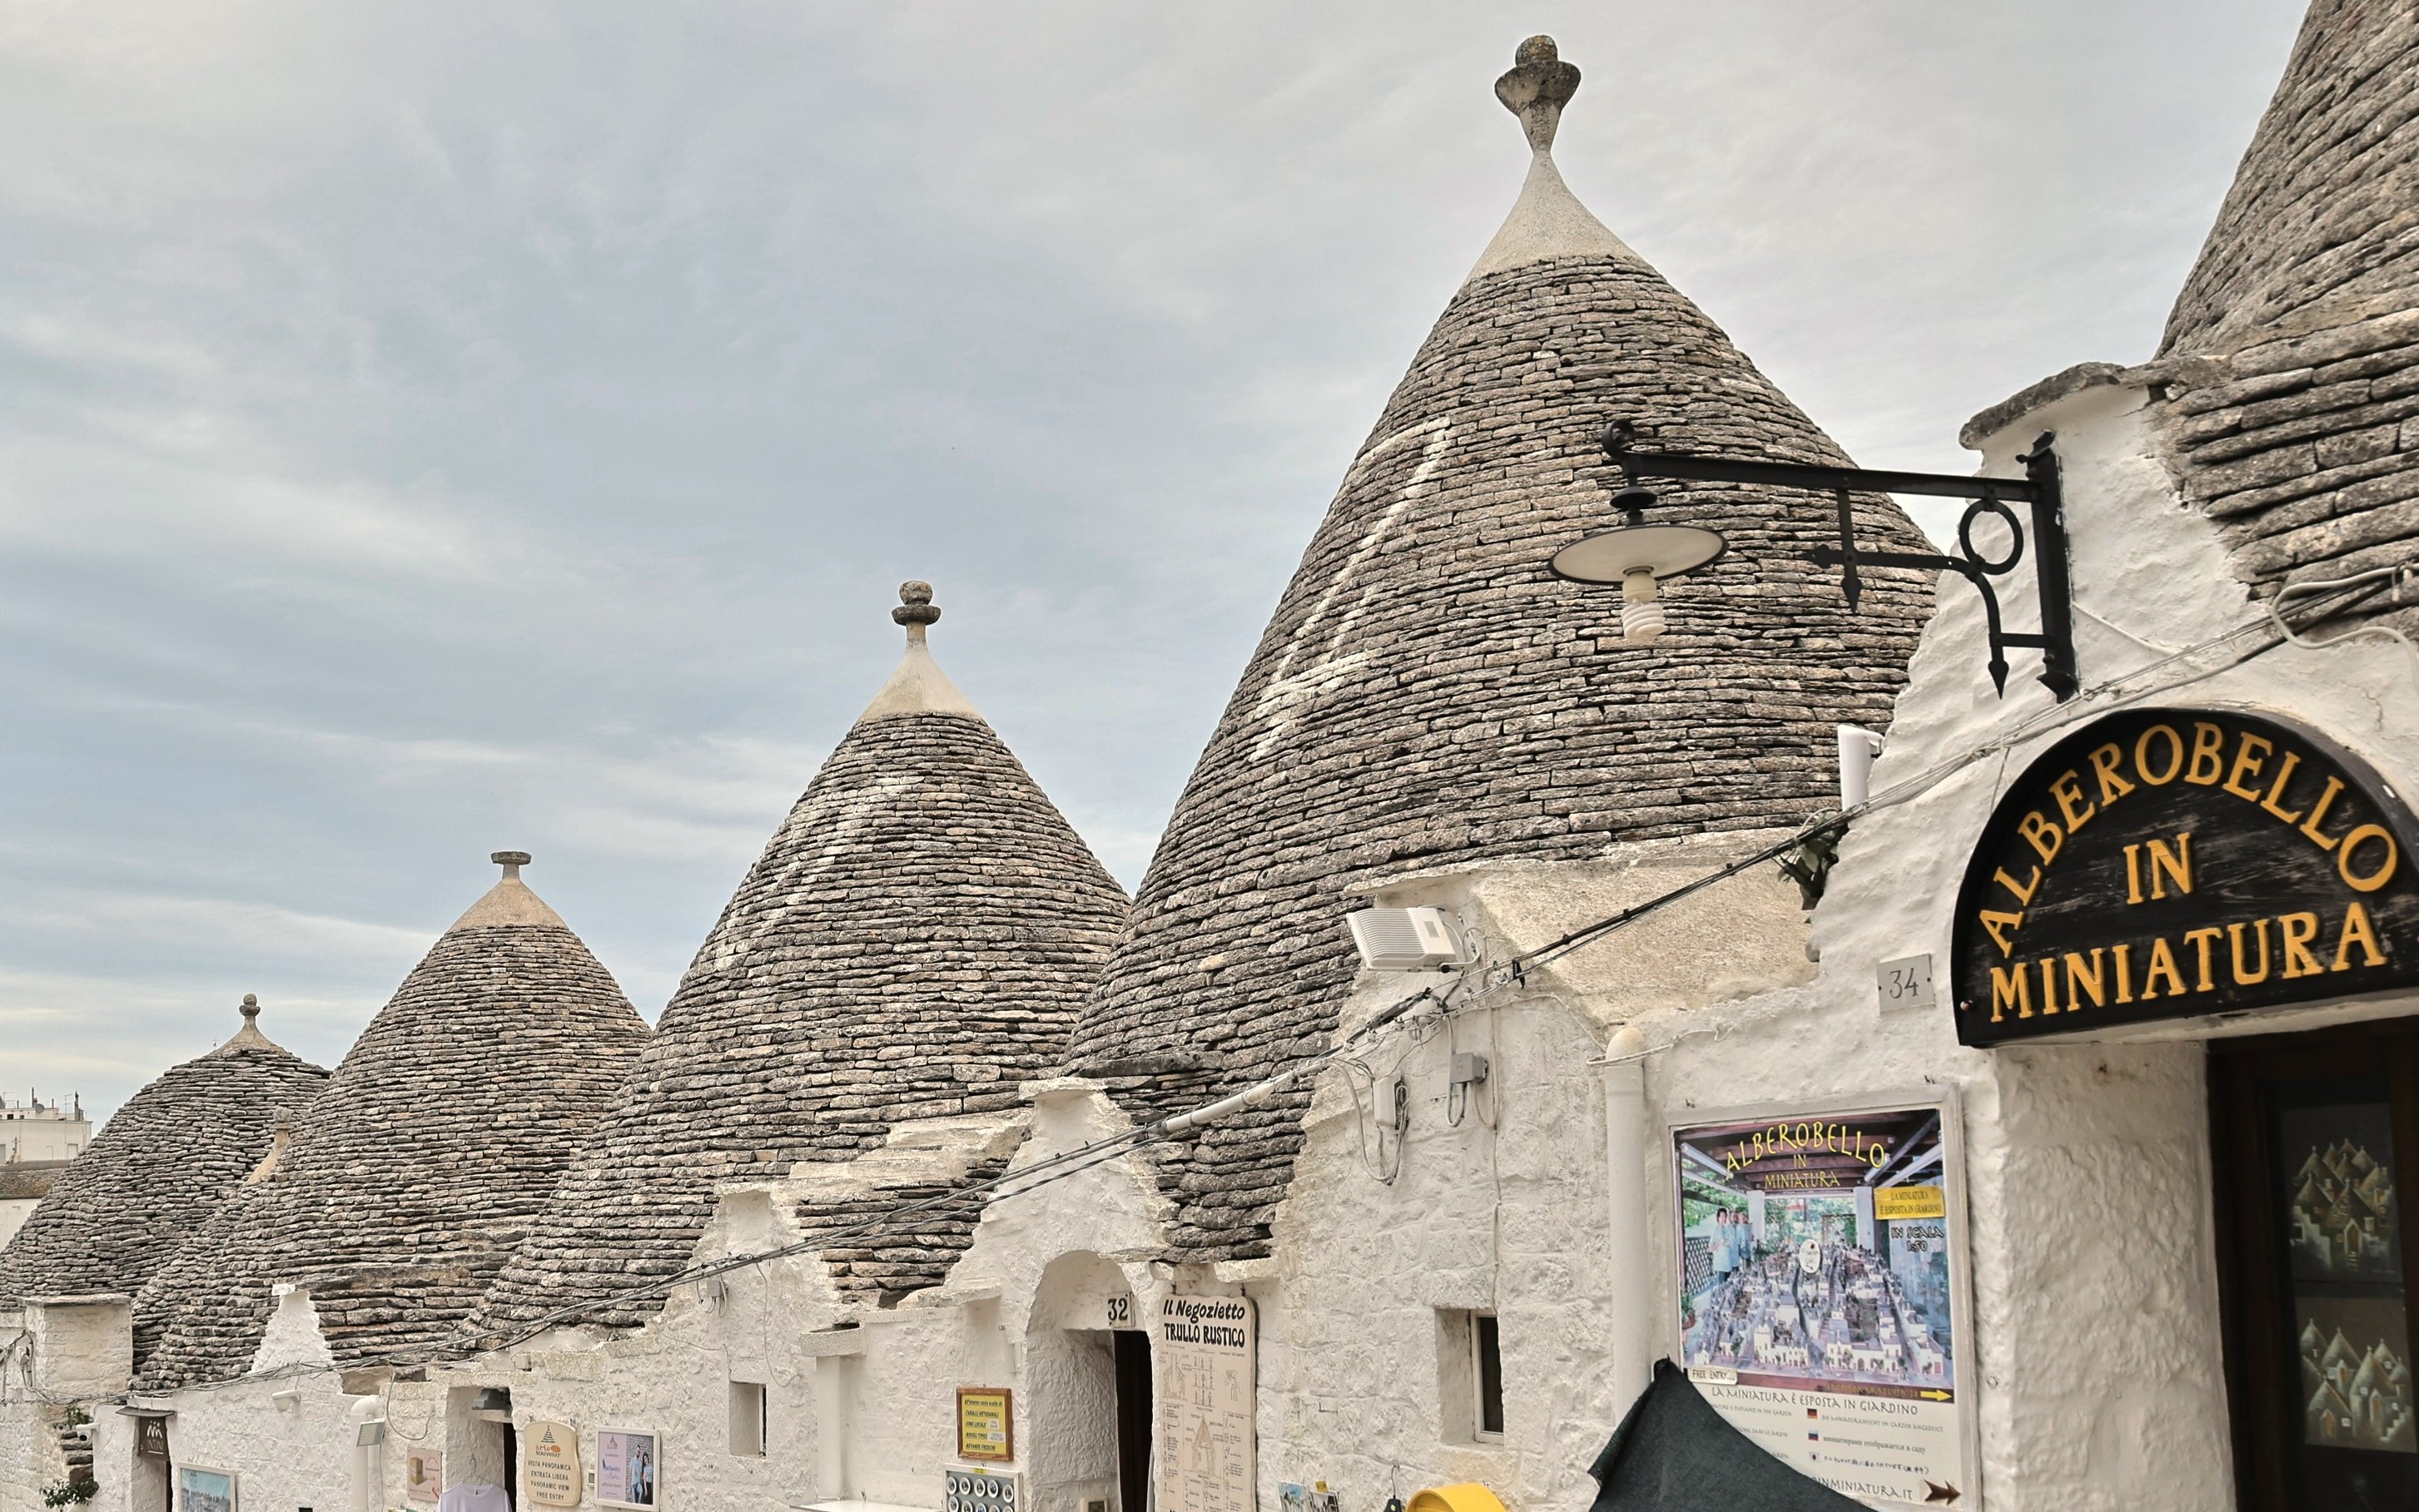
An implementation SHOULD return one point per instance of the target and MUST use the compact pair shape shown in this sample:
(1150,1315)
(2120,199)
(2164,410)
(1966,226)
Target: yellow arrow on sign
(1933,1395)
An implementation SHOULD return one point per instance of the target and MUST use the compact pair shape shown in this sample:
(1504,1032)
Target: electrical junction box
(1407,939)
(1467,1069)
(975,1490)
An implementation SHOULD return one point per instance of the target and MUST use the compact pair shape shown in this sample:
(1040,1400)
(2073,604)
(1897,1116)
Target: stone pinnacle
(512,862)
(916,609)
(1536,90)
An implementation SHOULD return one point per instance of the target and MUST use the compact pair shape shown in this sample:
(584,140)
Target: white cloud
(213,925)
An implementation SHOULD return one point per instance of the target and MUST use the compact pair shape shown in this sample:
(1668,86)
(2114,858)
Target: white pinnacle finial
(510,901)
(1547,220)
(918,686)
(250,1035)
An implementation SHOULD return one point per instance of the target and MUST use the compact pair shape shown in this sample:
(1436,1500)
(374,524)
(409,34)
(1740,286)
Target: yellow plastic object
(1469,1496)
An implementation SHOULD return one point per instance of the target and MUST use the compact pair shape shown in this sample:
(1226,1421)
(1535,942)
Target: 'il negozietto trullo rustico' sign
(2167,863)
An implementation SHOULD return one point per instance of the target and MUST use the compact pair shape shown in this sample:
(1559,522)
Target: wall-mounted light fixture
(2038,488)
(1638,555)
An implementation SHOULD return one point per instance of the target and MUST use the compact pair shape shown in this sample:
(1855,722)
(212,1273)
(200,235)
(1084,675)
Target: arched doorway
(1088,1363)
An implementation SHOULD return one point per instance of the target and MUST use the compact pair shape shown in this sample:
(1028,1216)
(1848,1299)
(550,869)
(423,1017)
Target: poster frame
(656,1448)
(1007,1425)
(234,1485)
(1942,1096)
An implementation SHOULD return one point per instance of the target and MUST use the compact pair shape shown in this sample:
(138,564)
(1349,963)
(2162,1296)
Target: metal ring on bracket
(1965,535)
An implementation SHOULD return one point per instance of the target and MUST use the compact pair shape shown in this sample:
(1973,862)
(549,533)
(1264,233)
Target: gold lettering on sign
(2265,770)
(2079,981)
(2045,837)
(2174,865)
(2234,944)
(2174,755)
(2297,930)
(2105,762)
(2011,988)
(2248,763)
(2276,789)
(2071,805)
(2384,872)
(2358,929)
(2205,938)
(2163,964)
(2318,813)
(2025,893)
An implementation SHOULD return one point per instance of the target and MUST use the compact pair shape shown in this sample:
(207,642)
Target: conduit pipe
(1629,1285)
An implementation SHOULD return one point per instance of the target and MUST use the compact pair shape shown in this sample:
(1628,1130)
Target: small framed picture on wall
(200,1488)
(629,1468)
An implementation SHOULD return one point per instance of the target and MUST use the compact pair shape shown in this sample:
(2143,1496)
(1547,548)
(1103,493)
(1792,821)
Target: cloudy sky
(433,428)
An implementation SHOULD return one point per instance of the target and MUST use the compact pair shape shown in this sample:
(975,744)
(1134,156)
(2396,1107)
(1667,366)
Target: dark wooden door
(2315,1139)
(1133,1420)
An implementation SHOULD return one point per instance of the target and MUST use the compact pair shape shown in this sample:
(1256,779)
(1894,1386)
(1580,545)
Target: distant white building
(36,1130)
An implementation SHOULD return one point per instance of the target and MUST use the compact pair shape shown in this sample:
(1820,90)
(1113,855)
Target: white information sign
(1823,1292)
(1204,1353)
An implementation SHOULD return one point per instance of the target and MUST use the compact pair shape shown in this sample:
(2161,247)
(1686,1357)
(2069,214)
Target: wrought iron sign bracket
(1992,497)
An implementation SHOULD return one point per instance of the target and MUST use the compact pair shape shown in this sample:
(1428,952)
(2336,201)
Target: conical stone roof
(912,943)
(157,1168)
(2324,209)
(1428,694)
(407,1182)
(2297,427)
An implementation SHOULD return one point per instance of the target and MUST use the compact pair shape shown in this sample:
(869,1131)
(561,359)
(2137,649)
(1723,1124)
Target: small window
(1487,1365)
(1470,1377)
(747,1419)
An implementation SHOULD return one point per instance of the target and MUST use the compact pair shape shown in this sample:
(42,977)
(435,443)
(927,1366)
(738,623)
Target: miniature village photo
(1048,757)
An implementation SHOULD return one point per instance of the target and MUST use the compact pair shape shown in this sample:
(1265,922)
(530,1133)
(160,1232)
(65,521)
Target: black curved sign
(2171,862)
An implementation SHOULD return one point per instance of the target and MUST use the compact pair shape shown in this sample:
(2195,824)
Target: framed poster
(1822,1286)
(424,1474)
(629,1469)
(200,1488)
(986,1423)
